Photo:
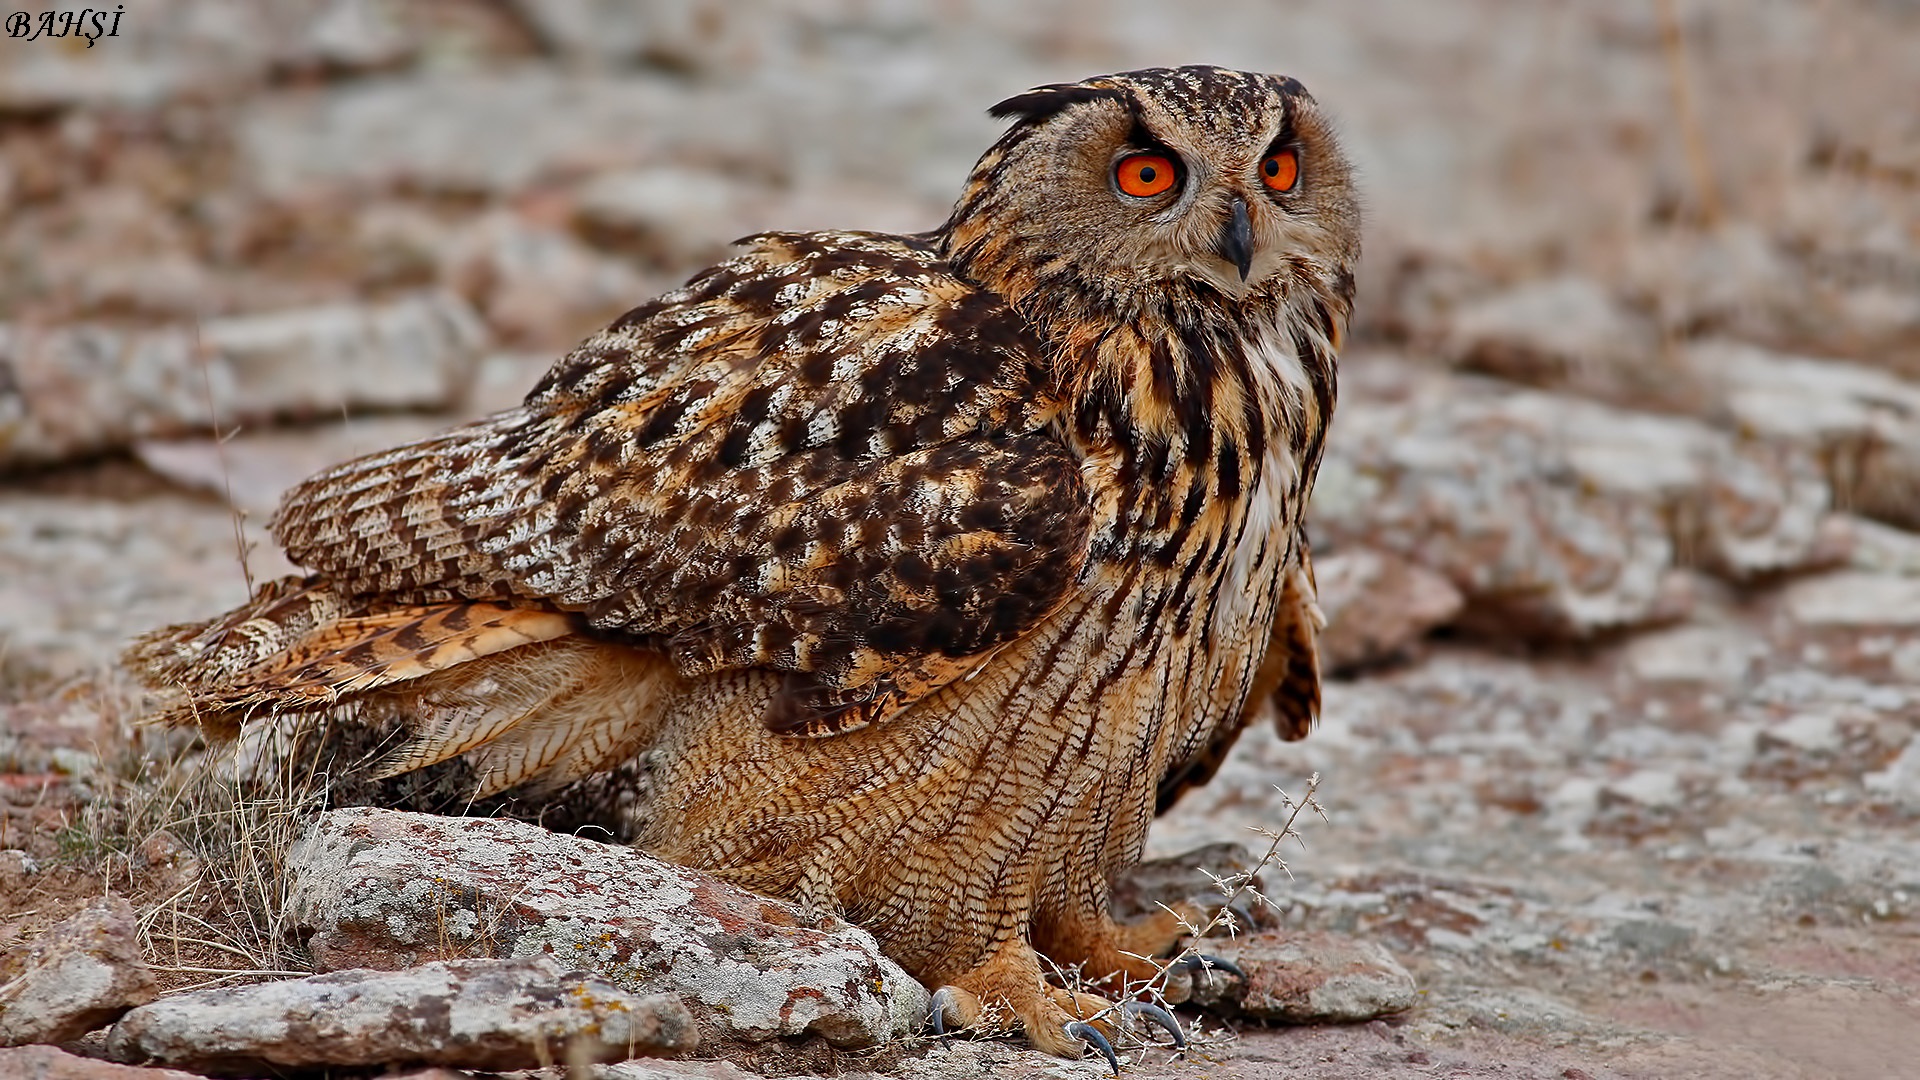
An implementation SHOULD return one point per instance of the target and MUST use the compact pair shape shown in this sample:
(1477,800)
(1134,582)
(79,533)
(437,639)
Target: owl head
(1125,185)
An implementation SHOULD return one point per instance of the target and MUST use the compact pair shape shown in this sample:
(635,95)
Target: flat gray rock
(386,889)
(477,1014)
(84,389)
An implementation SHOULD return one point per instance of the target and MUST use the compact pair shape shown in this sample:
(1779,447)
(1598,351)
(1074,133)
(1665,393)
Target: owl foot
(1060,1022)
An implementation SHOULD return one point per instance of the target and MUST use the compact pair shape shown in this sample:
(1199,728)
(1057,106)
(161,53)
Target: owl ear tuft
(1042,102)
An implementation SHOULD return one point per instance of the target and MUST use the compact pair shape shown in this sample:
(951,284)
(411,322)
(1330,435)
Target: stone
(1378,606)
(678,34)
(183,48)
(75,977)
(539,284)
(16,863)
(79,577)
(1651,802)
(670,215)
(1862,422)
(1780,283)
(1564,333)
(253,469)
(440,131)
(387,889)
(1309,978)
(52,1063)
(85,389)
(1900,780)
(658,1069)
(1855,600)
(1562,517)
(472,1014)
(1702,655)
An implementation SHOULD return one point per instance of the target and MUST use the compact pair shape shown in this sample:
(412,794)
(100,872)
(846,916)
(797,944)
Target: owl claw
(1201,963)
(1090,1035)
(947,1001)
(1160,1017)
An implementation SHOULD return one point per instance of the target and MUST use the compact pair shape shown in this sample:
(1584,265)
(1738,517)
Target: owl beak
(1236,240)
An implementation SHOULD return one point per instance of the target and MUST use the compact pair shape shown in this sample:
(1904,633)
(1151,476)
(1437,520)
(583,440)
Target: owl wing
(827,456)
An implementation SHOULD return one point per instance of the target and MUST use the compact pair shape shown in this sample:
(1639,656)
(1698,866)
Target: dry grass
(197,836)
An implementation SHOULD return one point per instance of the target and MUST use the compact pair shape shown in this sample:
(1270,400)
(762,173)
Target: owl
(903,577)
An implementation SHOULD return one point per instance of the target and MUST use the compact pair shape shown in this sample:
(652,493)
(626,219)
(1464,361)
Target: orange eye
(1280,171)
(1144,175)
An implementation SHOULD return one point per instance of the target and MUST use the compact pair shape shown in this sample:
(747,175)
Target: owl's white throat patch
(1286,393)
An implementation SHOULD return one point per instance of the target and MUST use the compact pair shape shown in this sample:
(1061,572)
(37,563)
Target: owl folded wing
(827,457)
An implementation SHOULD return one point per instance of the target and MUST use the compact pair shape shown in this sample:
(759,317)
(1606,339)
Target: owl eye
(1144,175)
(1280,171)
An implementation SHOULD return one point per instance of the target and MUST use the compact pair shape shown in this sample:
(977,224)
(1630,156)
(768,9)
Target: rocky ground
(1618,525)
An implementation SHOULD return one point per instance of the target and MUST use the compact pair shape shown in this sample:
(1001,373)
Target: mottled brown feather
(827,456)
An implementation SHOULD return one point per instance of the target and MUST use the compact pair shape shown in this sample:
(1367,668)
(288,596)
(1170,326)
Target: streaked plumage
(906,576)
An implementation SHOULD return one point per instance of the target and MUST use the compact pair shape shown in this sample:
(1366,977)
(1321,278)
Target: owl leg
(1009,986)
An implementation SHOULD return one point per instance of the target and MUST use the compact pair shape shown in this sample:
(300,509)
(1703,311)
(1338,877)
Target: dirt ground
(1636,378)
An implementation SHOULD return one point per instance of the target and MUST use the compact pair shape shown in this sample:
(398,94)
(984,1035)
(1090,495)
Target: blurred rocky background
(1617,529)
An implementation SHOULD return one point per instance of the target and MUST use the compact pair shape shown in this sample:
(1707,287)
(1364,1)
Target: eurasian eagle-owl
(903,576)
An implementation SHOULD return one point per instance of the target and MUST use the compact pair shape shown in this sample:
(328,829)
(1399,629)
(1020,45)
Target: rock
(80,576)
(319,361)
(1305,978)
(1557,516)
(538,284)
(1855,601)
(441,131)
(1645,802)
(676,34)
(1378,605)
(180,48)
(75,977)
(1485,491)
(15,864)
(1704,655)
(85,389)
(658,1069)
(474,1014)
(253,469)
(1863,423)
(1566,333)
(670,216)
(1736,508)
(387,889)
(1900,780)
(52,1063)
(956,1059)
(1830,276)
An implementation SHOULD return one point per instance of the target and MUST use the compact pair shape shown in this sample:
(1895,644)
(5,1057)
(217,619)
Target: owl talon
(1158,1016)
(953,1006)
(1202,964)
(1090,1035)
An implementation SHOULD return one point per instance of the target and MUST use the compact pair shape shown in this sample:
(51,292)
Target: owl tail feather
(548,705)
(300,645)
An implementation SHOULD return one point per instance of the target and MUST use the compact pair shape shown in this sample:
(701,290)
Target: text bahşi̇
(88,23)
